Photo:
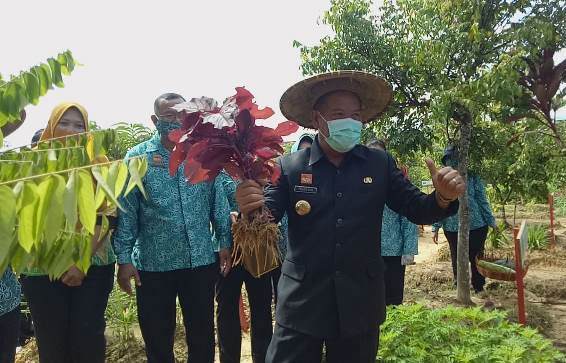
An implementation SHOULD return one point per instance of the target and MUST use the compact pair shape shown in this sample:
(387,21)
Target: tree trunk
(463,269)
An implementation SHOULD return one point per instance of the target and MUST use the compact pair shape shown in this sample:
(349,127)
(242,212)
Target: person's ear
(154,120)
(316,120)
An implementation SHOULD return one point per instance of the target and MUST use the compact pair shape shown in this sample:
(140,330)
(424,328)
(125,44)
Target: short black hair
(377,143)
(322,100)
(35,138)
(165,97)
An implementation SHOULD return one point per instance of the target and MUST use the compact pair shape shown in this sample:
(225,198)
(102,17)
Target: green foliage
(538,237)
(560,206)
(53,194)
(19,91)
(121,315)
(128,136)
(498,238)
(413,333)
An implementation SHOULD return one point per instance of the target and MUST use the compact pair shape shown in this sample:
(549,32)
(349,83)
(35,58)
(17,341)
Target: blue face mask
(344,134)
(164,127)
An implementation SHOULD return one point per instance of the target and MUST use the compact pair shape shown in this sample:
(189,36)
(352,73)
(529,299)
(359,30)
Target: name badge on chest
(157,161)
(305,190)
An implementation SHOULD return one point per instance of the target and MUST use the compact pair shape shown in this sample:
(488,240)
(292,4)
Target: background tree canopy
(479,74)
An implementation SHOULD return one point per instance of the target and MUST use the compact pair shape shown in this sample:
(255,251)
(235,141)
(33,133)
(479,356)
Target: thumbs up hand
(448,183)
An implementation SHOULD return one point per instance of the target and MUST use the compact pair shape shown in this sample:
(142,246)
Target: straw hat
(298,101)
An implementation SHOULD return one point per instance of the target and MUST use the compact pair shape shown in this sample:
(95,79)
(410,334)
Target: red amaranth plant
(214,138)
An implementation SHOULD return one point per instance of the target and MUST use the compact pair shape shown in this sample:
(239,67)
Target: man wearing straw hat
(331,291)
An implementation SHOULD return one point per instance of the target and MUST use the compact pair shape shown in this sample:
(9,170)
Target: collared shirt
(171,229)
(10,292)
(332,276)
(399,237)
(480,210)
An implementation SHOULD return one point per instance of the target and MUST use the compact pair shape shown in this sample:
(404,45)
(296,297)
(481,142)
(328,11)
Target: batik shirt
(10,292)
(399,237)
(480,211)
(172,229)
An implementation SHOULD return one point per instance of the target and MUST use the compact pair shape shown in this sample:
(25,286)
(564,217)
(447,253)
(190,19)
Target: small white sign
(524,243)
(426,183)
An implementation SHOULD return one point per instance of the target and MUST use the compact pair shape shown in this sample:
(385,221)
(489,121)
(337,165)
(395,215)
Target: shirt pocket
(293,270)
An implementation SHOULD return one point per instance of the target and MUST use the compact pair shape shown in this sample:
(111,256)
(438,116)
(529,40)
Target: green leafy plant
(128,136)
(51,196)
(538,237)
(560,206)
(26,88)
(121,316)
(498,238)
(414,333)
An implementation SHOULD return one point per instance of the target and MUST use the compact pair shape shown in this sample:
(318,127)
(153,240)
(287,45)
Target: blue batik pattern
(10,292)
(399,237)
(172,229)
(480,210)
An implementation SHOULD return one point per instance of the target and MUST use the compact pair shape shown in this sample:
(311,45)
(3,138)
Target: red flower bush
(214,138)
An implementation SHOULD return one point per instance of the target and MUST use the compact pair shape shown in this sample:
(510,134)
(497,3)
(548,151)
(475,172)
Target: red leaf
(234,170)
(262,114)
(266,153)
(190,120)
(275,173)
(195,173)
(244,98)
(286,128)
(177,156)
(176,135)
(244,122)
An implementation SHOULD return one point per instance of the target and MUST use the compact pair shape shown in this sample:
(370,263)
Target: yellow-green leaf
(85,254)
(87,207)
(101,175)
(90,147)
(121,170)
(134,167)
(45,191)
(55,218)
(29,201)
(70,200)
(51,161)
(7,225)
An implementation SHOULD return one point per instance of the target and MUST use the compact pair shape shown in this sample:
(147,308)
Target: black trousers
(157,312)
(394,277)
(275,276)
(9,334)
(69,321)
(228,291)
(291,346)
(477,245)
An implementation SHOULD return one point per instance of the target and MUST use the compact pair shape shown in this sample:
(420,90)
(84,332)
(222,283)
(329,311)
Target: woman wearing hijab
(68,313)
(399,245)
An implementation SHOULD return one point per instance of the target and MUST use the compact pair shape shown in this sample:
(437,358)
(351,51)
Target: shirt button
(339,221)
(339,195)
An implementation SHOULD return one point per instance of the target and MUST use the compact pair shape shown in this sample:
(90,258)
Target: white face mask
(343,134)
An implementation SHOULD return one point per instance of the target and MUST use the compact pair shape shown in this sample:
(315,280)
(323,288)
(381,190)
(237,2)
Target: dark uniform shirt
(332,276)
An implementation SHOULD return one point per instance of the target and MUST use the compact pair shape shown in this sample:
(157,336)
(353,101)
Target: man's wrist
(442,201)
